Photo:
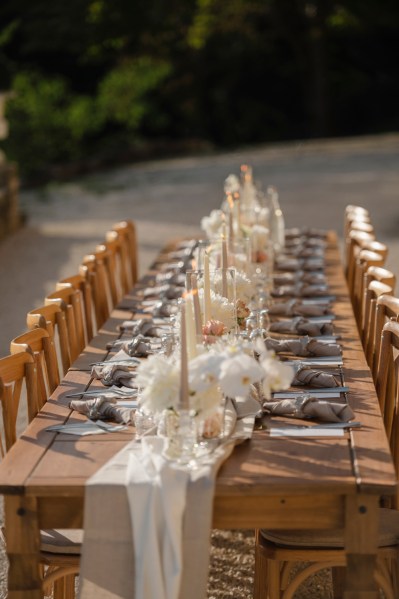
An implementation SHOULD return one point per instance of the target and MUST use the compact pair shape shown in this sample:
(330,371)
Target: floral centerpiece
(226,368)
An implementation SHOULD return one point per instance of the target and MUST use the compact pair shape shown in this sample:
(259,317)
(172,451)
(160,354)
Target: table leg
(361,544)
(23,547)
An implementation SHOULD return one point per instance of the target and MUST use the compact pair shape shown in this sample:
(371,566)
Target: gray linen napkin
(310,407)
(303,347)
(114,374)
(144,326)
(300,290)
(177,279)
(291,278)
(301,326)
(164,309)
(297,308)
(287,263)
(102,407)
(164,291)
(138,347)
(308,377)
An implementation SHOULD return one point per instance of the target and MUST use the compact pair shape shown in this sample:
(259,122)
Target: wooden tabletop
(263,476)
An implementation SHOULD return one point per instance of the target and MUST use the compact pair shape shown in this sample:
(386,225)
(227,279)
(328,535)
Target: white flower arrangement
(212,224)
(244,287)
(227,367)
(221,309)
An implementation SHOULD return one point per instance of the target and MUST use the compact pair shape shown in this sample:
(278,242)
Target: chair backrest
(127,230)
(41,346)
(387,384)
(387,309)
(70,301)
(354,241)
(108,257)
(364,260)
(374,290)
(94,269)
(81,283)
(53,319)
(16,370)
(115,243)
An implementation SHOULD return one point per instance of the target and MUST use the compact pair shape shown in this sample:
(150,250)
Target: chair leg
(70,586)
(273,580)
(338,581)
(260,578)
(59,588)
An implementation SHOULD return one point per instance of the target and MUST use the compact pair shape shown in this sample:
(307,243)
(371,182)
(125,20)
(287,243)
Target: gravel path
(167,198)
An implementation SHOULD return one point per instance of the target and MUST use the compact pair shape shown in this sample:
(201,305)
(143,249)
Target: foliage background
(99,81)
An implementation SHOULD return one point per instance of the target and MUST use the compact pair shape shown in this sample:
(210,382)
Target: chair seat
(323,539)
(66,541)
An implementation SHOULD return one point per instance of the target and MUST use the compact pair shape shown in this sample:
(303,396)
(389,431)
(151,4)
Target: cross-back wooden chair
(53,319)
(41,346)
(81,283)
(374,290)
(70,300)
(116,243)
(15,371)
(387,308)
(385,277)
(107,255)
(277,551)
(364,260)
(60,549)
(387,385)
(94,269)
(127,230)
(354,242)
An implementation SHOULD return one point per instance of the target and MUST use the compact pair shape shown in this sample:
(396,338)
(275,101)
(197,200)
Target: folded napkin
(100,408)
(300,290)
(296,308)
(303,347)
(145,327)
(177,279)
(138,347)
(157,545)
(308,377)
(307,252)
(164,291)
(114,374)
(288,263)
(164,309)
(302,326)
(291,278)
(310,407)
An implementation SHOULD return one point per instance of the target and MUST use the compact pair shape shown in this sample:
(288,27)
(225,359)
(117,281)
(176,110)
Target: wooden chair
(53,319)
(81,283)
(60,550)
(107,255)
(374,290)
(385,277)
(127,230)
(41,346)
(387,308)
(364,260)
(70,301)
(387,385)
(354,242)
(93,268)
(115,243)
(15,371)
(276,552)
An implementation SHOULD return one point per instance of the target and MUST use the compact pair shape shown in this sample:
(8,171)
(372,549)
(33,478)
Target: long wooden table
(267,482)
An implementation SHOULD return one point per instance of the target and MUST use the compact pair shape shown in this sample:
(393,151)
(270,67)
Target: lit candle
(183,399)
(197,308)
(224,268)
(190,327)
(207,290)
